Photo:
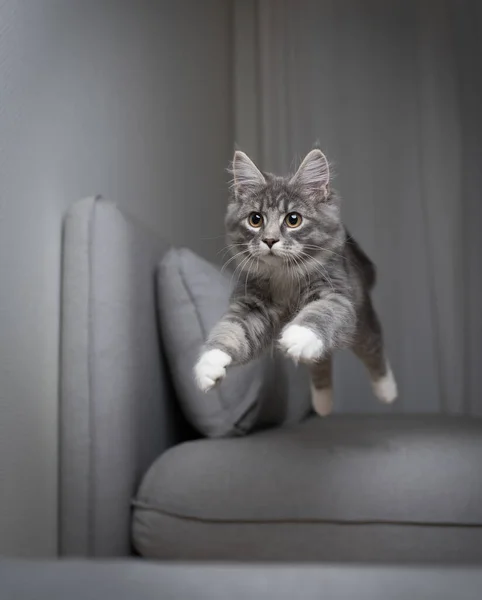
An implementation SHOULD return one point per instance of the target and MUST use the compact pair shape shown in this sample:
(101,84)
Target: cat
(304,281)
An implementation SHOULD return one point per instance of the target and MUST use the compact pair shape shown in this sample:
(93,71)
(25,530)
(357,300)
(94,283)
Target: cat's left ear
(313,175)
(247,178)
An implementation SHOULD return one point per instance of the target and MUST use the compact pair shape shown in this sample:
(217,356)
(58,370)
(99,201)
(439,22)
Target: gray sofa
(135,478)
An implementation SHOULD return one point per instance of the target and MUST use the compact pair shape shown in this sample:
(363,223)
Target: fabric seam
(325,521)
(91,482)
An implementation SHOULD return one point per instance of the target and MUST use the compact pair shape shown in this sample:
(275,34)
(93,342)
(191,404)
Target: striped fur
(309,291)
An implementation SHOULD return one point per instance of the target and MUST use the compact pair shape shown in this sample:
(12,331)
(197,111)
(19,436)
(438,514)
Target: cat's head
(283,221)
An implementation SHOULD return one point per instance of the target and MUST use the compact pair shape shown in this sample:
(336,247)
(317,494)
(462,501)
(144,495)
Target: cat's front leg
(320,327)
(241,335)
(211,368)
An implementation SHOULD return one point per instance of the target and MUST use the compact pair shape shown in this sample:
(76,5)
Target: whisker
(232,258)
(247,276)
(324,274)
(297,269)
(299,282)
(321,249)
(230,247)
(306,271)
(240,267)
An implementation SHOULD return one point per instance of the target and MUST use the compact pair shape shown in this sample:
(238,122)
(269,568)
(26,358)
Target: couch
(135,478)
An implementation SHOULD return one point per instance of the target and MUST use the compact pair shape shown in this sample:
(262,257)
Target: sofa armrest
(117,410)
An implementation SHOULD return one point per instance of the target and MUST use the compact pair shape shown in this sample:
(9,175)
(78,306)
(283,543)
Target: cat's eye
(255,219)
(293,220)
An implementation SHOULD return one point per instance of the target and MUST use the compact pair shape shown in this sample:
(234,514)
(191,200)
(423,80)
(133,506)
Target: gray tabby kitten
(304,281)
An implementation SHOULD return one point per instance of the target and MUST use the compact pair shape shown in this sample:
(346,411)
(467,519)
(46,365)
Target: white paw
(301,343)
(385,388)
(322,401)
(211,368)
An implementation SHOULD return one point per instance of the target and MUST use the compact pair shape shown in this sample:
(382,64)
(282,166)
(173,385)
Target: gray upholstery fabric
(193,296)
(143,581)
(410,487)
(116,403)
(163,537)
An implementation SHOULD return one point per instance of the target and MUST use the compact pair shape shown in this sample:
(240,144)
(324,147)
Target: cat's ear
(247,178)
(313,175)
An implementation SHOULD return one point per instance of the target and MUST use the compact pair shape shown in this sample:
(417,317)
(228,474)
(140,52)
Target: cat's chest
(286,293)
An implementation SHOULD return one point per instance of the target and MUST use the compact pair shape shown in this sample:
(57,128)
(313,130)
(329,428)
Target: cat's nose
(270,242)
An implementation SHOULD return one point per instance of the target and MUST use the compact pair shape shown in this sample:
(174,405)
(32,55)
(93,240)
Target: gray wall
(129,99)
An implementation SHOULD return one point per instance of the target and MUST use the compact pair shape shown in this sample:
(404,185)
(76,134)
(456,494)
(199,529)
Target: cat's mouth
(271,252)
(273,257)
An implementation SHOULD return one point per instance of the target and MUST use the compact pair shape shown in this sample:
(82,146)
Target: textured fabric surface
(117,410)
(143,581)
(346,476)
(193,295)
(163,537)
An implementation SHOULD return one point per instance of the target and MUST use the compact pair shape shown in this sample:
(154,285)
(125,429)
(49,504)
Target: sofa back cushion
(193,295)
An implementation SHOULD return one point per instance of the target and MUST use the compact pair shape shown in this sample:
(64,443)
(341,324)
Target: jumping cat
(303,281)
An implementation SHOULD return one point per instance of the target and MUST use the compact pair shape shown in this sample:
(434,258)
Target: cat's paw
(301,344)
(385,388)
(322,401)
(211,368)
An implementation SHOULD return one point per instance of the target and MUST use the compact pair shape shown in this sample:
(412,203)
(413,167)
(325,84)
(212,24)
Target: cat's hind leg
(322,386)
(370,350)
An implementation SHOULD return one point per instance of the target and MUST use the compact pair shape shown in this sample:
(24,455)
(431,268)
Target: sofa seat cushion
(272,494)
